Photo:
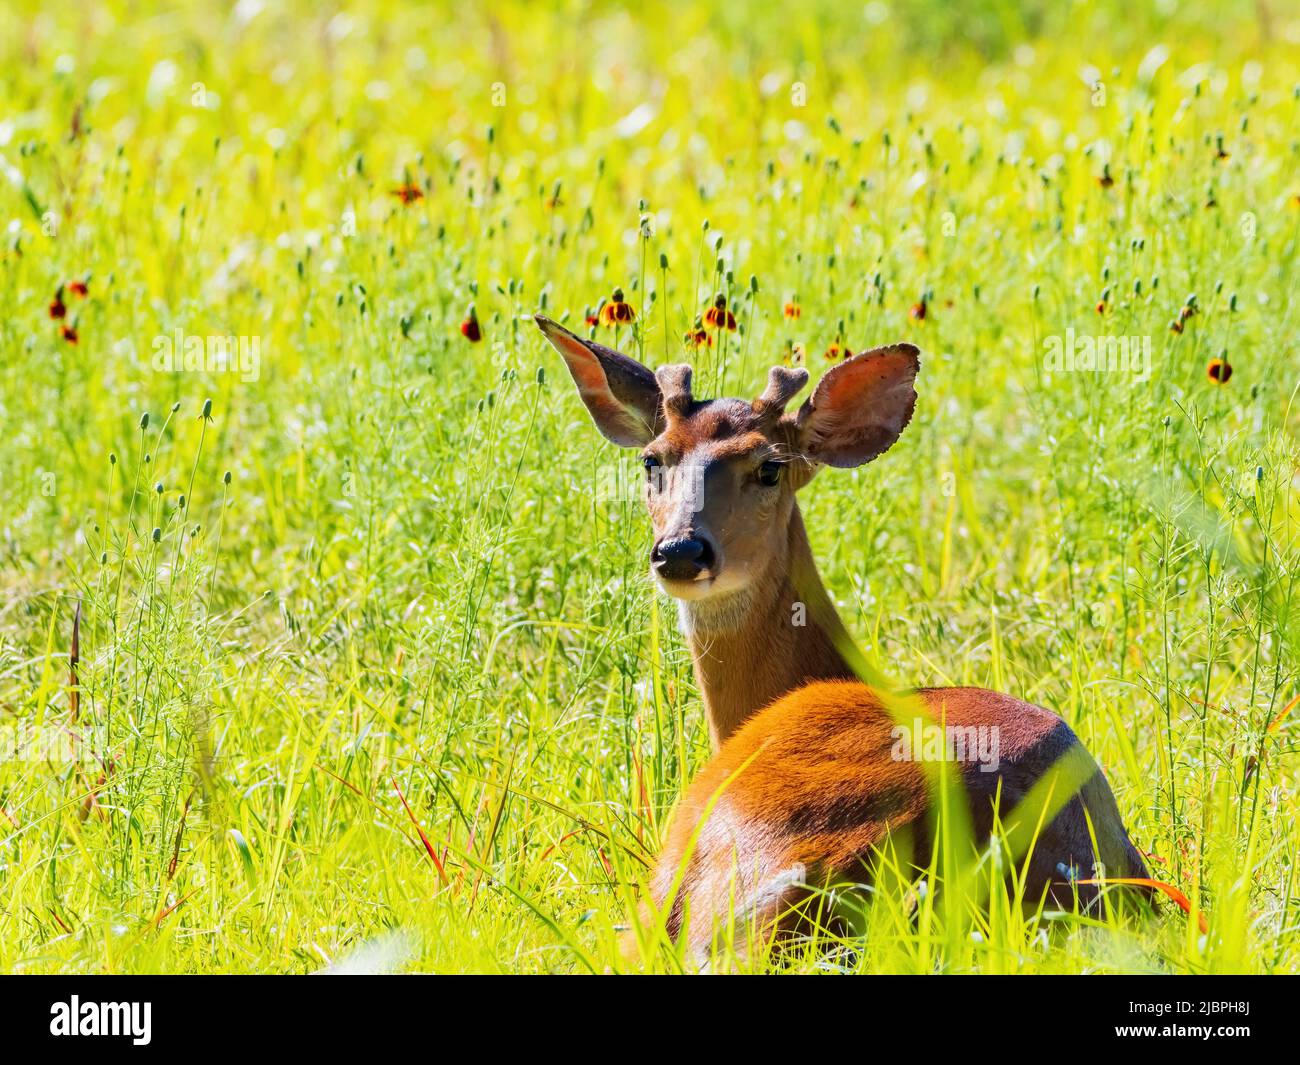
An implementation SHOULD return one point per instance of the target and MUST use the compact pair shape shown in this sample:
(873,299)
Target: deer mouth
(702,585)
(696,587)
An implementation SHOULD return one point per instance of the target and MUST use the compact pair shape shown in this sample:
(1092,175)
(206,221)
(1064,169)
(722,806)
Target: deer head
(721,474)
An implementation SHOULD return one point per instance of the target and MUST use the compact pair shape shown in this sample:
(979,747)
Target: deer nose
(681,559)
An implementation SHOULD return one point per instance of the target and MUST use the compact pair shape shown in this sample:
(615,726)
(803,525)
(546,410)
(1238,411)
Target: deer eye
(651,464)
(769,473)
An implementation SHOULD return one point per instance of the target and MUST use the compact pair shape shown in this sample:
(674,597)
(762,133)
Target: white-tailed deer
(807,780)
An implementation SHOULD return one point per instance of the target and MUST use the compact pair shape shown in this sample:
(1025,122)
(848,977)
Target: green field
(371,672)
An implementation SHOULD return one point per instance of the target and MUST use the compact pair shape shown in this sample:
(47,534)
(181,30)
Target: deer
(806,784)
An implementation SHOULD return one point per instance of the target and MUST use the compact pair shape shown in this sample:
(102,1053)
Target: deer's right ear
(859,407)
(621,394)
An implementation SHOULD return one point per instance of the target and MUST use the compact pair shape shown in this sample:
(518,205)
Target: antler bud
(675,389)
(783,384)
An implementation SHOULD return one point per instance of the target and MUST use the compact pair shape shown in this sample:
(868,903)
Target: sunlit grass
(412,592)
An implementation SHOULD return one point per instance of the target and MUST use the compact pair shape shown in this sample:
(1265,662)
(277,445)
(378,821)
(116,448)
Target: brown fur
(813,788)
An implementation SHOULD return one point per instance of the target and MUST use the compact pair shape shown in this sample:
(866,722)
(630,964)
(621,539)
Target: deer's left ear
(621,395)
(860,407)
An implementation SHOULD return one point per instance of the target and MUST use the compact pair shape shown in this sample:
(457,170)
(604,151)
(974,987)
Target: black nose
(681,559)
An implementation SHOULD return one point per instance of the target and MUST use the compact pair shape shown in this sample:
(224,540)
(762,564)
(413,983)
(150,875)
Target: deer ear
(621,395)
(860,407)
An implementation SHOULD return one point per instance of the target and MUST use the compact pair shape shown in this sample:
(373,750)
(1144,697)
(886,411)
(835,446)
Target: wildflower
(408,193)
(918,310)
(794,354)
(792,310)
(836,351)
(1101,306)
(58,309)
(469,328)
(1219,371)
(1176,326)
(698,336)
(78,288)
(69,334)
(718,317)
(616,312)
(1105,181)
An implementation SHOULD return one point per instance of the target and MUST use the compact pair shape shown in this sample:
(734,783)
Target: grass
(397,693)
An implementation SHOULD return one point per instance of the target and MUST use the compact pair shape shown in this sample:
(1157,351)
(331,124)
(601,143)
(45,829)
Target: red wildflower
(918,310)
(616,311)
(699,336)
(718,317)
(78,288)
(469,328)
(792,310)
(69,334)
(1219,371)
(409,193)
(57,308)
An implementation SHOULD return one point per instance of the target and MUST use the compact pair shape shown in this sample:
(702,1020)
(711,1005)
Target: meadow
(368,671)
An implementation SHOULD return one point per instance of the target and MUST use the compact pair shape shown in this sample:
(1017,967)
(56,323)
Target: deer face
(720,475)
(719,485)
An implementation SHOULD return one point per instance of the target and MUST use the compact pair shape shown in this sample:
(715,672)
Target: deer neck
(775,635)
